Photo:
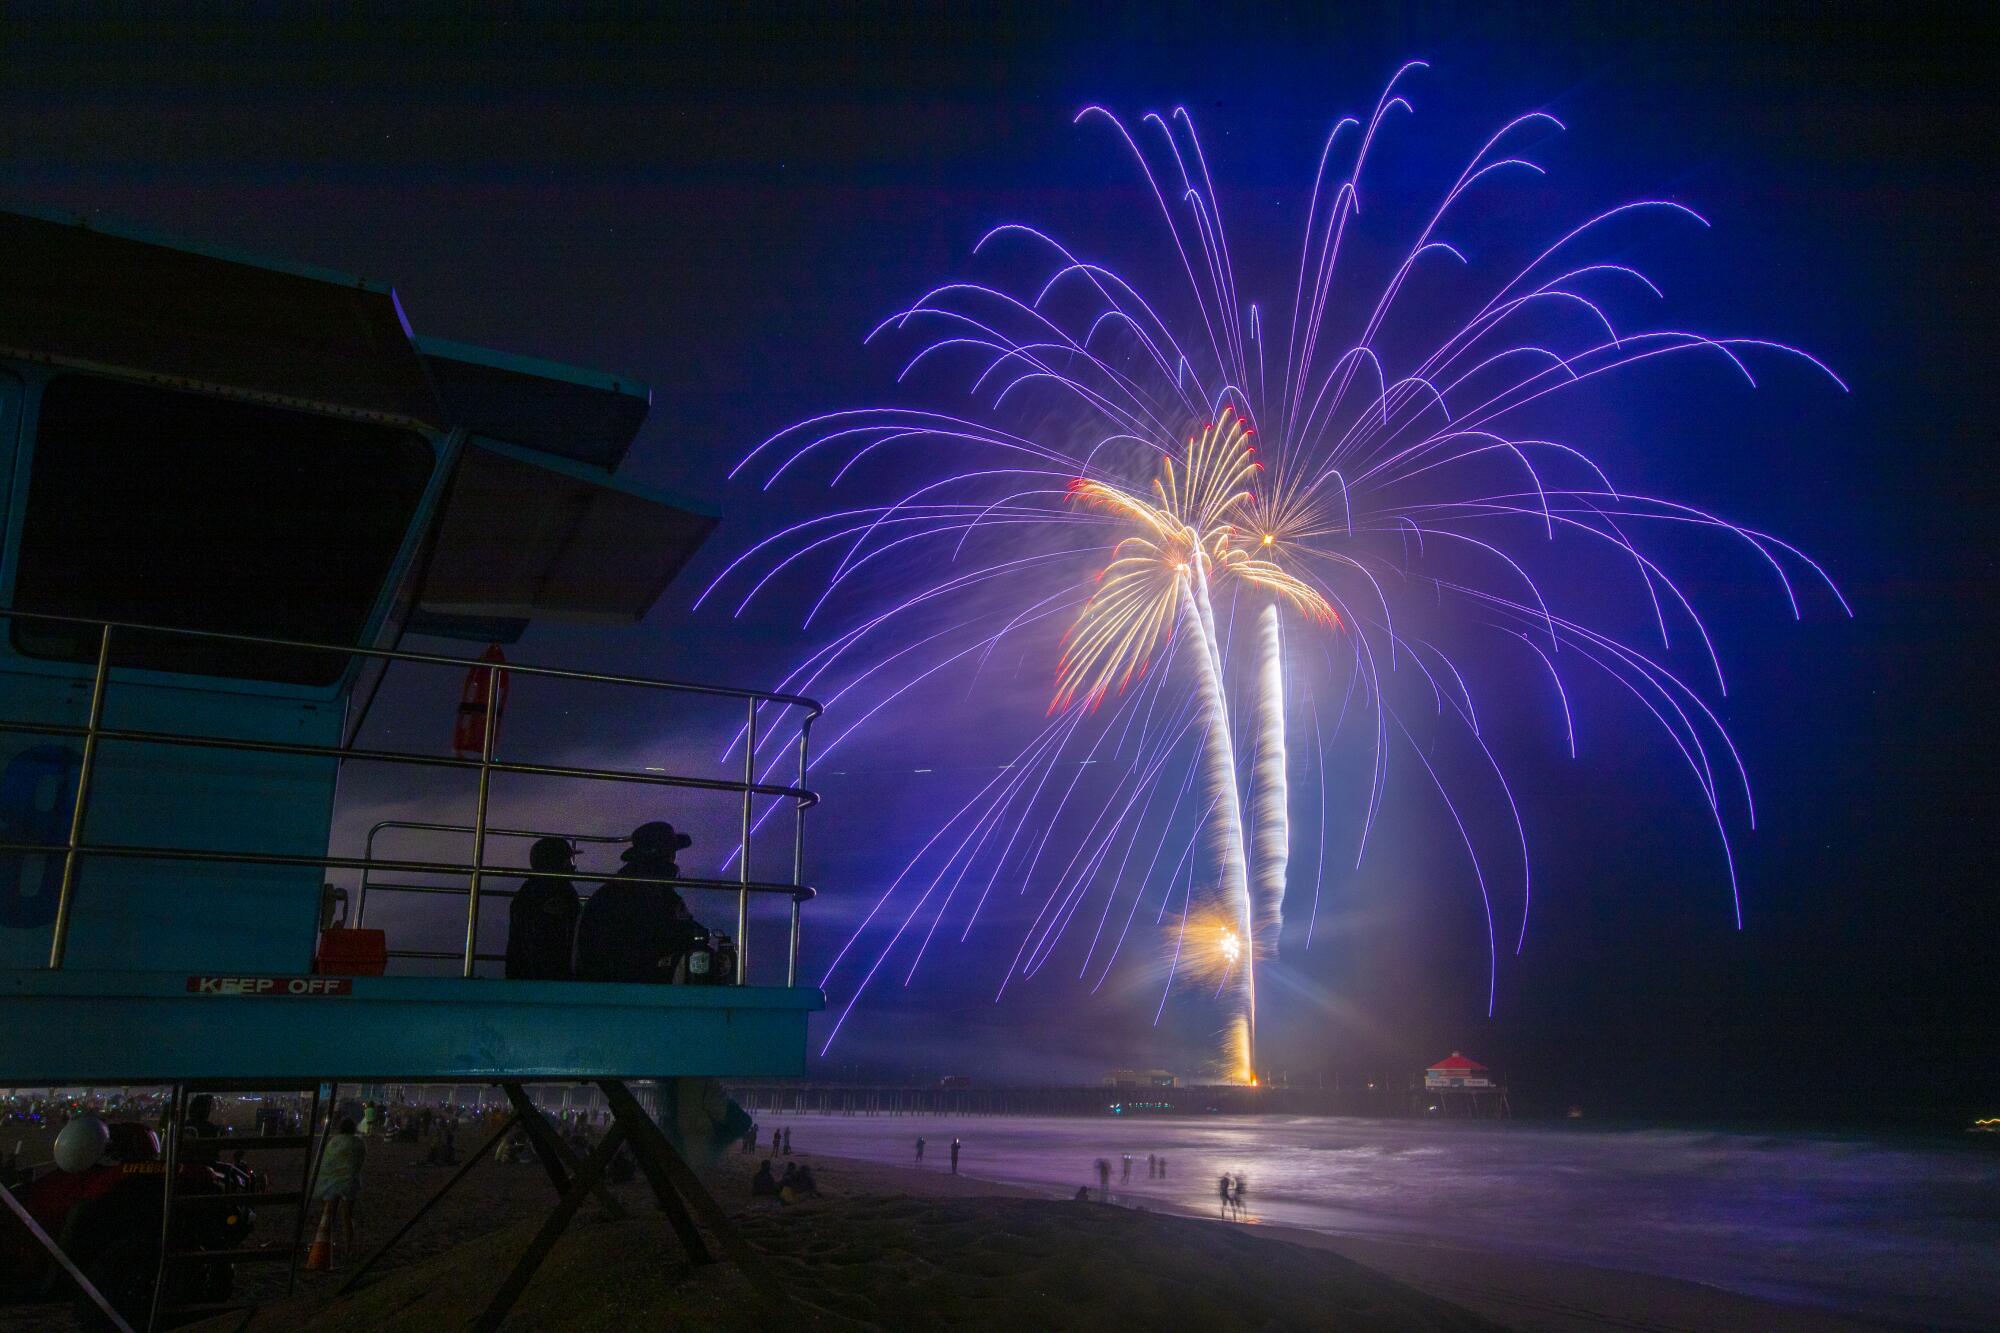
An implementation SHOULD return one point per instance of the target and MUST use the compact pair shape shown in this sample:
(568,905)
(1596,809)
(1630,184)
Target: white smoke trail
(1218,759)
(1271,840)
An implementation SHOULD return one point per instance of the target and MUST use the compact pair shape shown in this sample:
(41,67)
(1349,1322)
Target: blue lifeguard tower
(228,490)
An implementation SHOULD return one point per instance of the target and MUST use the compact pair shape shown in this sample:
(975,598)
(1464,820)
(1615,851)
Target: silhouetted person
(636,932)
(920,1147)
(1223,1187)
(1242,1190)
(777,1140)
(804,1182)
(339,1182)
(1125,1169)
(788,1140)
(197,1124)
(1152,1166)
(1103,1176)
(1083,1194)
(762,1186)
(1163,1168)
(541,922)
(954,1156)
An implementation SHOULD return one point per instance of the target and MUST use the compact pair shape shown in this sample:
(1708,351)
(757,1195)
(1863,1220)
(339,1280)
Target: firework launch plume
(1135,476)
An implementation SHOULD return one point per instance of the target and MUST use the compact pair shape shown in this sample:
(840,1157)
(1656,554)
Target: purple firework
(1364,481)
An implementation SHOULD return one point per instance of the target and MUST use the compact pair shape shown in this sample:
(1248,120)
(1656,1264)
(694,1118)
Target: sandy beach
(891,1247)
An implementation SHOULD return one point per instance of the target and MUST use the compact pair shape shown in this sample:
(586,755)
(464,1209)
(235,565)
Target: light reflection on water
(1878,1228)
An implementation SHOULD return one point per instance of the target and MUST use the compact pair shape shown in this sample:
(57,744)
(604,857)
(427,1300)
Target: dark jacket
(628,930)
(541,929)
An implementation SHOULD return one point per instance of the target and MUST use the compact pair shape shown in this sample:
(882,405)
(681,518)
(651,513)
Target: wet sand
(891,1247)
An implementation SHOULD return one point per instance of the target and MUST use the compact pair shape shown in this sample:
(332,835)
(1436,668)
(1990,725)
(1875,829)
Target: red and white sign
(306,986)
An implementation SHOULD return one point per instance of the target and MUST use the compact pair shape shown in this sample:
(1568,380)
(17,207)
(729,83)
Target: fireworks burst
(1130,484)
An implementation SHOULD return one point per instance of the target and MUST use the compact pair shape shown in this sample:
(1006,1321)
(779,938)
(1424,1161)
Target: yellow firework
(1210,952)
(1202,523)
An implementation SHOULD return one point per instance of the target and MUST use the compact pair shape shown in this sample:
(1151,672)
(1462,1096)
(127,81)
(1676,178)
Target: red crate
(351,953)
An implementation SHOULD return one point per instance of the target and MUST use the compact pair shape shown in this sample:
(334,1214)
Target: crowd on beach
(797,1182)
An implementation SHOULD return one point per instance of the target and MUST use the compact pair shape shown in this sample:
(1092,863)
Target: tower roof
(1458,1061)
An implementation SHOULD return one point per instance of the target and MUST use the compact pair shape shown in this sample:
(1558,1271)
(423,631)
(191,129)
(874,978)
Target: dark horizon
(724,210)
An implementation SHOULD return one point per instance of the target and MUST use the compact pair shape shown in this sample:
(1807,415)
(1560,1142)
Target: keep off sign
(270,986)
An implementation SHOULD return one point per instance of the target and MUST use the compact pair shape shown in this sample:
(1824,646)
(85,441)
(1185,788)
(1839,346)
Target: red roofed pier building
(1456,1085)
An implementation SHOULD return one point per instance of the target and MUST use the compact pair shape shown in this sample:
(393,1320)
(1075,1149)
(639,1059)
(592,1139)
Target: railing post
(743,852)
(479,818)
(59,942)
(798,856)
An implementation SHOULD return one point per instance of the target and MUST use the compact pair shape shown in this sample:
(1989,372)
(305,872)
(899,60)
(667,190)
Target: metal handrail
(344,753)
(94,731)
(143,852)
(368,851)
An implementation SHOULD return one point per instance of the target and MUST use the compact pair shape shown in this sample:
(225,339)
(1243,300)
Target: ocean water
(1905,1232)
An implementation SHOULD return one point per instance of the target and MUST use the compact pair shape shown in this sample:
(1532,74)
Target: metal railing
(93,731)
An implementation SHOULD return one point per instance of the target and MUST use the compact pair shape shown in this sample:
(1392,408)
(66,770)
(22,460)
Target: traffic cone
(319,1258)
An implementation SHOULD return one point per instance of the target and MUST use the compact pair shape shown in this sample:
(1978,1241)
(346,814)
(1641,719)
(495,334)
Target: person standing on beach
(1152,1166)
(340,1181)
(1223,1187)
(1125,1169)
(954,1156)
(920,1149)
(788,1140)
(1163,1168)
(1242,1190)
(1103,1176)
(777,1141)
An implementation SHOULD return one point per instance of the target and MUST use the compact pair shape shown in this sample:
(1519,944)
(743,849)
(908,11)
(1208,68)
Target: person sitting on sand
(805,1184)
(788,1184)
(762,1186)
(444,1152)
(1083,1194)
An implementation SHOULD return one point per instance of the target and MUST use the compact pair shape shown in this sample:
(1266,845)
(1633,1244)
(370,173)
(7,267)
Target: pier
(1408,1098)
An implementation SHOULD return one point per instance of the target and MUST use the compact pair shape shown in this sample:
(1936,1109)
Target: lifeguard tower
(230,488)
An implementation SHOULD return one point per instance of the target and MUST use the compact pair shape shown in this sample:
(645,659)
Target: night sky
(724,209)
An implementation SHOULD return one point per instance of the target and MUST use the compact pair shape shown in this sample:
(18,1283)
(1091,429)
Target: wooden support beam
(649,1140)
(558,1220)
(550,1151)
(626,1110)
(418,1216)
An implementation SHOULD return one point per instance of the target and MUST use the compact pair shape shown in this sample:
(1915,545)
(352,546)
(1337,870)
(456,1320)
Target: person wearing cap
(632,931)
(541,923)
